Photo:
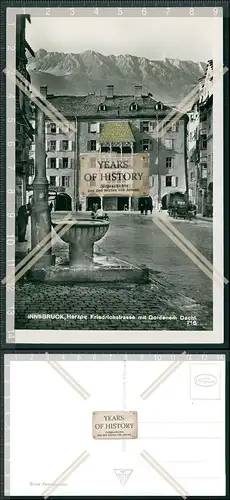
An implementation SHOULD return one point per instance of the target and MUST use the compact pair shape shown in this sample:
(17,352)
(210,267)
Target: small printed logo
(123,475)
(205,380)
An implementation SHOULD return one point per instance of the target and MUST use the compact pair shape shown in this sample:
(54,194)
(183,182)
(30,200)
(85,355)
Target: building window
(203,142)
(53,180)
(168,181)
(31,168)
(53,128)
(145,144)
(52,162)
(102,107)
(65,181)
(144,127)
(64,145)
(93,128)
(93,162)
(133,107)
(52,146)
(171,128)
(192,176)
(204,171)
(169,143)
(92,145)
(203,116)
(159,106)
(174,127)
(65,162)
(169,162)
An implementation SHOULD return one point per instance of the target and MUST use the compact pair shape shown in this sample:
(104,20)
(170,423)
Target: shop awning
(114,132)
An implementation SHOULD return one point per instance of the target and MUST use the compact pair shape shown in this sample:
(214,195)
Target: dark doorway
(122,201)
(93,200)
(164,203)
(63,203)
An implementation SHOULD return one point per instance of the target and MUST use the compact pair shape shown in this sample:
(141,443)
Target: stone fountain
(81,235)
(83,264)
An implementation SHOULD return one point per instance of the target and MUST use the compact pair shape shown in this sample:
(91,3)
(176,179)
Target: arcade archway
(63,203)
(91,201)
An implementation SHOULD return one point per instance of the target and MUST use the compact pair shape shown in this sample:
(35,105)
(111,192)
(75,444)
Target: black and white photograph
(117,189)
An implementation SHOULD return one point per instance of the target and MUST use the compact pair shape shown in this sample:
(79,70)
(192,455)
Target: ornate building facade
(24,130)
(200,146)
(119,155)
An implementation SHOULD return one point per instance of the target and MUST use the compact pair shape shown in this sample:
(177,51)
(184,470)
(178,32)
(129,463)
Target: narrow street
(178,288)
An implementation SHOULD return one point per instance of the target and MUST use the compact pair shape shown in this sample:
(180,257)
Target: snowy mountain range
(168,80)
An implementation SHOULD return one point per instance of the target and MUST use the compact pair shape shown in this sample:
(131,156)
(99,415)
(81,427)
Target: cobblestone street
(179,291)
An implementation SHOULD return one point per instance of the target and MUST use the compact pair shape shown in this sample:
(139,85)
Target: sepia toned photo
(118,180)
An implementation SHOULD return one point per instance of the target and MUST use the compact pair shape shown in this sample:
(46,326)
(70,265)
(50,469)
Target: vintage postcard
(179,402)
(114,175)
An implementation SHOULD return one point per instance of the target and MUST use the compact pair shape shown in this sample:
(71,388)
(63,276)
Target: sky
(185,38)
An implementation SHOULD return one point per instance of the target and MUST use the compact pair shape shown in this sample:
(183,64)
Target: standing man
(22,220)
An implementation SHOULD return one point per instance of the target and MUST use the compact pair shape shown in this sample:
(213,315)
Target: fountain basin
(81,234)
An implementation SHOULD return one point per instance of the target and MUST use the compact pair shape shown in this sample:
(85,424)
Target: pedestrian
(151,206)
(51,206)
(146,208)
(22,220)
(142,208)
(160,207)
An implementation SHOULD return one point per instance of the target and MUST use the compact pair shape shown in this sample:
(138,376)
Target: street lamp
(40,216)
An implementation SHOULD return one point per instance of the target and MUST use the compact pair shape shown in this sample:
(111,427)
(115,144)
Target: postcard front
(115,188)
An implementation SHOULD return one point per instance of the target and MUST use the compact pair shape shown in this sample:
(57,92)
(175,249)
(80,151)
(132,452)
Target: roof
(117,106)
(116,132)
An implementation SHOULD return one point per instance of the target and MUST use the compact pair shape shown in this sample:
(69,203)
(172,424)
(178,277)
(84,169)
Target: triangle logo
(123,475)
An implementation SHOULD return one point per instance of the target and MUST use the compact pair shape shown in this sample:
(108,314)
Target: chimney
(43,90)
(138,90)
(110,90)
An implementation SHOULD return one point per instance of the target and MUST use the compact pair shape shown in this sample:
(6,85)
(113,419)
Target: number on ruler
(96,11)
